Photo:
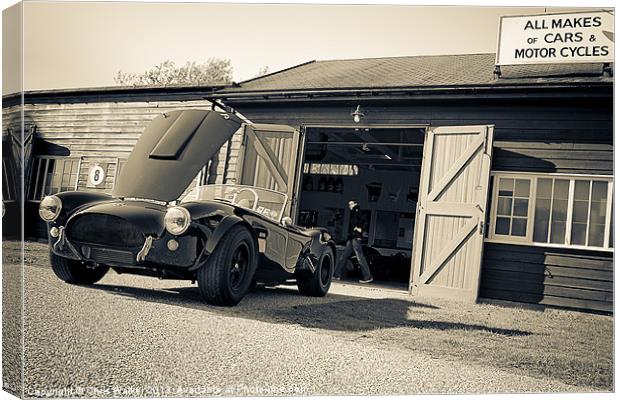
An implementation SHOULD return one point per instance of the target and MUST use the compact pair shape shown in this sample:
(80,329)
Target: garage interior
(378,167)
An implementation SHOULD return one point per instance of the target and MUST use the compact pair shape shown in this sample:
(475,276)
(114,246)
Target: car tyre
(226,276)
(73,271)
(318,283)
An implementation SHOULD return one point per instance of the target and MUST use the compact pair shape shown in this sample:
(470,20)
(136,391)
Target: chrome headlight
(326,237)
(49,208)
(177,220)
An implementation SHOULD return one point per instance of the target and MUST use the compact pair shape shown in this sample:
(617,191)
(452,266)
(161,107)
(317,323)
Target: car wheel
(73,271)
(318,283)
(226,276)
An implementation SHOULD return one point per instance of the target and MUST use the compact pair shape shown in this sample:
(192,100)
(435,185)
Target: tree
(214,71)
(263,71)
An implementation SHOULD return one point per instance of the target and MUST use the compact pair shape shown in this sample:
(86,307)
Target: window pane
(518,226)
(599,191)
(543,189)
(578,234)
(580,212)
(598,214)
(558,220)
(36,179)
(582,190)
(506,187)
(49,178)
(558,230)
(66,172)
(504,205)
(611,229)
(541,219)
(560,189)
(520,209)
(502,226)
(596,235)
(522,188)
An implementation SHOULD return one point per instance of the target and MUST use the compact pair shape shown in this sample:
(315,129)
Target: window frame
(34,170)
(117,173)
(528,239)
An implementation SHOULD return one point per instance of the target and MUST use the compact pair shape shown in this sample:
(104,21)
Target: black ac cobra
(225,237)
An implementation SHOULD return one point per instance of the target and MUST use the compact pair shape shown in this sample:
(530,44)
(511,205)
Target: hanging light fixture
(358,114)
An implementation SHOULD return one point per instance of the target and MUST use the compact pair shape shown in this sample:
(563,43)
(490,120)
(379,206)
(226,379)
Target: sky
(68,45)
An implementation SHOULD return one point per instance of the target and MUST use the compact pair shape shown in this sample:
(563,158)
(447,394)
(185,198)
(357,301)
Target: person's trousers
(353,246)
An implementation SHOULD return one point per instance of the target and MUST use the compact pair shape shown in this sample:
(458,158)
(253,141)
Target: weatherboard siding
(547,276)
(562,136)
(101,132)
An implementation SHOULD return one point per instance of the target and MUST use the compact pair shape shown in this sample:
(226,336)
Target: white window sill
(549,245)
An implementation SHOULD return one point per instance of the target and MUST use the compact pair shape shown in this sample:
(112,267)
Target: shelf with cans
(322,183)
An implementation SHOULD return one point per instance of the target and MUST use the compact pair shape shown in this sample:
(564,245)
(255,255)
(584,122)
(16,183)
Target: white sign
(583,37)
(96,175)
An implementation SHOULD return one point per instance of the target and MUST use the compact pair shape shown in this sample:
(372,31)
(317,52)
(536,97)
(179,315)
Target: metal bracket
(148,243)
(497,72)
(61,238)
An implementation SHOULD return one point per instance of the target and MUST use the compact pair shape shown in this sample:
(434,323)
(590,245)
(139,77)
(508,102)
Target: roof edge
(354,90)
(424,92)
(237,84)
(100,94)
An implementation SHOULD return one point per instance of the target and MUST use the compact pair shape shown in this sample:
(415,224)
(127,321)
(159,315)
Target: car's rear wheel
(73,271)
(318,283)
(227,275)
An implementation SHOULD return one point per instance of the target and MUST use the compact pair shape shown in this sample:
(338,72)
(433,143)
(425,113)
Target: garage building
(475,182)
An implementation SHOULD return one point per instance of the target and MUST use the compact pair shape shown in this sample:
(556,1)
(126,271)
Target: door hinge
(481,229)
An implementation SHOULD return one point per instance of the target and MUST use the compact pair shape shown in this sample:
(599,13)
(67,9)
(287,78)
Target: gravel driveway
(135,336)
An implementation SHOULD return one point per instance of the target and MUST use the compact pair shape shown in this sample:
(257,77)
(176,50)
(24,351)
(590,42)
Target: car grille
(105,230)
(113,257)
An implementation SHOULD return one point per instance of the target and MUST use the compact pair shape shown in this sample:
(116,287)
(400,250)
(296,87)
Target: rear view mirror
(287,221)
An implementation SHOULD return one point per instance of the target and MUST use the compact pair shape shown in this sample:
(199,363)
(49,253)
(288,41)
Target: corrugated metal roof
(416,71)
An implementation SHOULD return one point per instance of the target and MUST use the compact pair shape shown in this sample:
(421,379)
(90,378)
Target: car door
(272,239)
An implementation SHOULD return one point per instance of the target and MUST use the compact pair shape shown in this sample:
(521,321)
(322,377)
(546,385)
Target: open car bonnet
(171,151)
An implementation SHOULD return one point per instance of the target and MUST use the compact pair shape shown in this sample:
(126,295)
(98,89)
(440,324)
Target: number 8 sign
(96,176)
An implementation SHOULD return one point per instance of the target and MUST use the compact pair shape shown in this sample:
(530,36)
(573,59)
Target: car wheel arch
(224,226)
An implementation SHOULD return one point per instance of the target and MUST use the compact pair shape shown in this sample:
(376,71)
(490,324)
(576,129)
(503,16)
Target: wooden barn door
(271,158)
(451,211)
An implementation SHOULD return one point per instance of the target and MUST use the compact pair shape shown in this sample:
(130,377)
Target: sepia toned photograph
(220,199)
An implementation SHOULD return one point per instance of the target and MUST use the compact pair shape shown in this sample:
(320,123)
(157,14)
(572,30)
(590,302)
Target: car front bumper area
(154,252)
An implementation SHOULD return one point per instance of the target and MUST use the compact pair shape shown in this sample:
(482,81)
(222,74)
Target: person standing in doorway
(354,244)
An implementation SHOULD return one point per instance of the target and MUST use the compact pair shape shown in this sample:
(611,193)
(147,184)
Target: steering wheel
(251,191)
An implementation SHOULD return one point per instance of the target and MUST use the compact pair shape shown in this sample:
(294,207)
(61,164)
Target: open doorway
(380,169)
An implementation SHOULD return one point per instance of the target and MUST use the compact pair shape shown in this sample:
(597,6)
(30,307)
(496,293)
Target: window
(552,210)
(120,164)
(512,207)
(51,175)
(8,191)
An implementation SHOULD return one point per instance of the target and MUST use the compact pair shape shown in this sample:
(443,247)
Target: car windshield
(265,202)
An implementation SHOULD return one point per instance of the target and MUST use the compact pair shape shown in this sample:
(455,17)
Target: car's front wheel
(226,276)
(73,271)
(317,284)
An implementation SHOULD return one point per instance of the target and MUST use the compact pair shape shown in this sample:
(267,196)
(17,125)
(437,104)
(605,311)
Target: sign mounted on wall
(96,175)
(582,37)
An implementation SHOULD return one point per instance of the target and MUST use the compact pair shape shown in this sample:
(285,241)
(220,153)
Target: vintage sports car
(225,237)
